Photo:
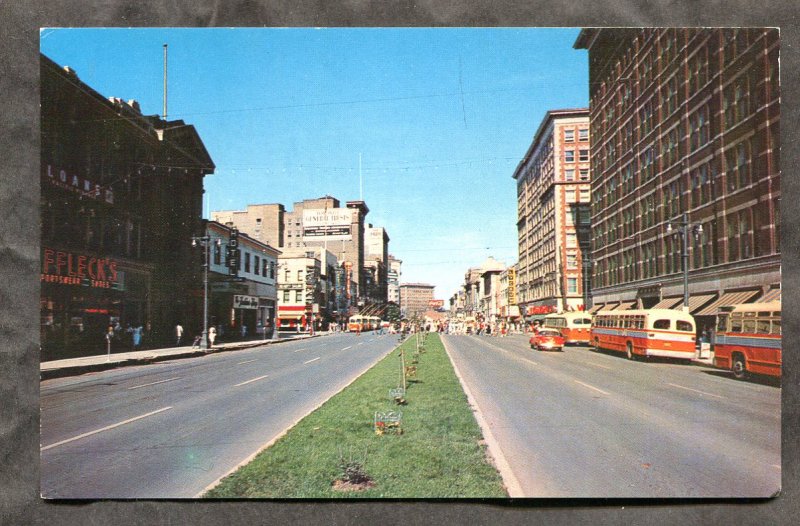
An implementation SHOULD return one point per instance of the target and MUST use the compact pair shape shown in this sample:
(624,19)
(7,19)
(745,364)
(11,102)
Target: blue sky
(439,116)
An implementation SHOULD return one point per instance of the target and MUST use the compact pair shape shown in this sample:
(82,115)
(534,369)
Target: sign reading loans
(333,224)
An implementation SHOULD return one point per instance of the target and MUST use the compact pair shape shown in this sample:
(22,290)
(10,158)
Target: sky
(427,125)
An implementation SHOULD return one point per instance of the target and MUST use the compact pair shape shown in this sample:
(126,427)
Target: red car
(547,339)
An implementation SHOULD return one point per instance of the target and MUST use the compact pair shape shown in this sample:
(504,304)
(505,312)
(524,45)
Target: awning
(773,294)
(668,303)
(596,308)
(696,301)
(625,305)
(289,316)
(726,300)
(611,306)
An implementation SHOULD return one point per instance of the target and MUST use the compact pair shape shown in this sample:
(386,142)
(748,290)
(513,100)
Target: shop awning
(626,305)
(696,301)
(668,303)
(596,308)
(290,315)
(773,294)
(611,306)
(726,300)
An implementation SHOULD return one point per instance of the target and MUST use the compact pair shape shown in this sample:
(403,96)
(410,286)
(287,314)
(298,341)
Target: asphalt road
(169,429)
(582,423)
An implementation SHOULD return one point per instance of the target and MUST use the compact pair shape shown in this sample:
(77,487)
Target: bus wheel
(629,351)
(739,367)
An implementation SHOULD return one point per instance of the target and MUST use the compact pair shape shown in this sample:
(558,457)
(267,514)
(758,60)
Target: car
(547,339)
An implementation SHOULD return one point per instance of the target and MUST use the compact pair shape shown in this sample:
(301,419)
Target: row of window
(250,263)
(569,134)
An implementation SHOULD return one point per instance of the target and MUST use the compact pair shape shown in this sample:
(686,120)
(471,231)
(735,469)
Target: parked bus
(654,332)
(748,339)
(575,327)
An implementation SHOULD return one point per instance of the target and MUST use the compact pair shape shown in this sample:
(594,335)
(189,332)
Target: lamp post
(206,242)
(683,227)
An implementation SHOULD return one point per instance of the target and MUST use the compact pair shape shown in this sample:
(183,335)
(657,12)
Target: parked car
(547,339)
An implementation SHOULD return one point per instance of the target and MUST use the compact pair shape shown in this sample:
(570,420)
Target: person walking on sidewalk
(212,335)
(136,337)
(178,334)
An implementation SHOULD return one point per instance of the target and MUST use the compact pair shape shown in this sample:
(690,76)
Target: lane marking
(598,365)
(112,426)
(590,387)
(298,350)
(250,381)
(348,347)
(314,360)
(695,390)
(246,361)
(154,383)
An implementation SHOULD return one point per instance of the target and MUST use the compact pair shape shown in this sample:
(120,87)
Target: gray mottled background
(19,253)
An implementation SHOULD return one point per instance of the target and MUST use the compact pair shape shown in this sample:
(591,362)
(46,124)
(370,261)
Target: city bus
(748,339)
(575,327)
(359,323)
(650,332)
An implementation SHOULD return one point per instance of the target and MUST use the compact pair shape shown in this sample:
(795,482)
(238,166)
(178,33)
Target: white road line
(598,365)
(590,387)
(314,360)
(348,347)
(695,390)
(246,361)
(112,426)
(298,350)
(153,383)
(249,381)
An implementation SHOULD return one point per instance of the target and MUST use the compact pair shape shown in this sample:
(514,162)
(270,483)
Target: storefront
(82,294)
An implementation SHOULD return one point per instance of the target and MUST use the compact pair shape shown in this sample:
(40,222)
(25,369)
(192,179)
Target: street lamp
(683,227)
(206,242)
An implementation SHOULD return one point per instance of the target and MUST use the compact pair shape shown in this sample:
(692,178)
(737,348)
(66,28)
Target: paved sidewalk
(102,362)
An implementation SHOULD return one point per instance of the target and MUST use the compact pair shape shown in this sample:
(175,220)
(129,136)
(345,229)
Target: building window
(569,156)
(736,103)
(256,263)
(583,154)
(300,275)
(583,135)
(247,261)
(699,124)
(569,135)
(569,175)
(572,285)
(738,160)
(286,295)
(217,254)
(264,265)
(287,275)
(572,260)
(584,174)
(298,296)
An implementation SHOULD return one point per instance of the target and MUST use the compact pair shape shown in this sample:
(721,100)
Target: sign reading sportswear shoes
(333,224)
(69,268)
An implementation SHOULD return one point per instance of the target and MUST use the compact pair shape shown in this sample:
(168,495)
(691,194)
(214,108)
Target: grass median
(439,453)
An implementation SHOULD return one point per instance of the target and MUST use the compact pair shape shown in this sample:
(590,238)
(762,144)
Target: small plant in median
(352,475)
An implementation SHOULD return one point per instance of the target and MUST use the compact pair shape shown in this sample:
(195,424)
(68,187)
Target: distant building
(261,222)
(415,298)
(685,127)
(553,213)
(393,279)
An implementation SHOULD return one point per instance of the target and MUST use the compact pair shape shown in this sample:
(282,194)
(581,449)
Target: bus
(359,323)
(748,339)
(649,332)
(575,327)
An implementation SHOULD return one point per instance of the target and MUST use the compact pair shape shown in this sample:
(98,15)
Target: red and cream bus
(651,332)
(359,323)
(575,327)
(748,339)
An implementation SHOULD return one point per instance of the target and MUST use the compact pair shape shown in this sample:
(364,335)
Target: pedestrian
(244,331)
(178,334)
(212,335)
(136,336)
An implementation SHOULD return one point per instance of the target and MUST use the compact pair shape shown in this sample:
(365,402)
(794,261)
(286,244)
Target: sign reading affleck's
(66,268)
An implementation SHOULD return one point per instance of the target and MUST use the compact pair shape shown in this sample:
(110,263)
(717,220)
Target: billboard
(333,224)
(436,304)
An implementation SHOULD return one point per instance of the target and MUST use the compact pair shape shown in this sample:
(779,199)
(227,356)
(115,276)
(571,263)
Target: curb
(492,445)
(76,370)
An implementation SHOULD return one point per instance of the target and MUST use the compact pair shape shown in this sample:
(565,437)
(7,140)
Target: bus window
(749,326)
(661,324)
(736,324)
(722,324)
(684,326)
(776,326)
(762,326)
